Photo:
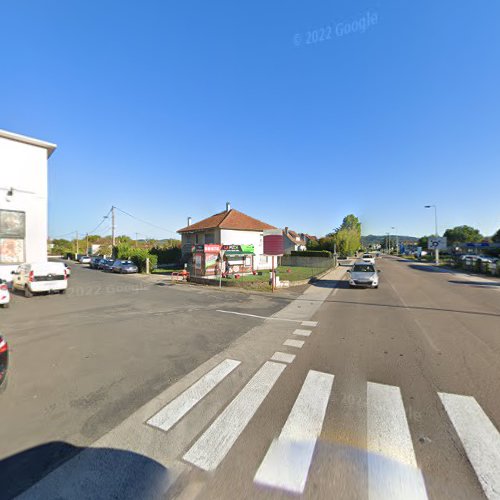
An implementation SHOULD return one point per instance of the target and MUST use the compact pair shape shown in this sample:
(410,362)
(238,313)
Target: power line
(100,223)
(146,222)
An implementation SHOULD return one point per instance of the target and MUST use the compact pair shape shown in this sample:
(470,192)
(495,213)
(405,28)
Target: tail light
(3,286)
(65,274)
(31,276)
(3,345)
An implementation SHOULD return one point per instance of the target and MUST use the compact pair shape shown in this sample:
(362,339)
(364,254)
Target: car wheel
(27,292)
(62,292)
(5,306)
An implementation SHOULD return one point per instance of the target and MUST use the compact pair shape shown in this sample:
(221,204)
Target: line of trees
(345,239)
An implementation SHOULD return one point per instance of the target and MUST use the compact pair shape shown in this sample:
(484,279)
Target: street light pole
(436,228)
(397,240)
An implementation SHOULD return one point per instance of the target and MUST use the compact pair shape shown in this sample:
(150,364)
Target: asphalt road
(82,362)
(388,393)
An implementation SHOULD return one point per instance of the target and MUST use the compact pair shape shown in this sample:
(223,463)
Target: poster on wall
(12,224)
(197,261)
(11,251)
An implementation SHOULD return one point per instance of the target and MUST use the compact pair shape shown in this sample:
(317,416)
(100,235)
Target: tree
(351,222)
(463,234)
(423,242)
(496,237)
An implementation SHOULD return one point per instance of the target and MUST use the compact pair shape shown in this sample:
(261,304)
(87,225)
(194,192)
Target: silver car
(363,274)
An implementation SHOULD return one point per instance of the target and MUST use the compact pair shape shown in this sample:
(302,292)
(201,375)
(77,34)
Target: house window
(12,235)
(197,239)
(209,238)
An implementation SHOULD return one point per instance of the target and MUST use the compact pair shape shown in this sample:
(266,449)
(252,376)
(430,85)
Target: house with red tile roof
(296,241)
(228,228)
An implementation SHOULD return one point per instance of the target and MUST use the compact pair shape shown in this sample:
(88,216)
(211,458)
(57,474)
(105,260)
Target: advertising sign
(12,224)
(438,243)
(273,242)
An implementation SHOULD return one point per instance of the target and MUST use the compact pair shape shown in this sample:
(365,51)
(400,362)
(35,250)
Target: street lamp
(397,240)
(436,234)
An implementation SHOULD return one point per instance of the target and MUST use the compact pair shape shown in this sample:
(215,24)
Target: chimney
(228,206)
(286,230)
(189,221)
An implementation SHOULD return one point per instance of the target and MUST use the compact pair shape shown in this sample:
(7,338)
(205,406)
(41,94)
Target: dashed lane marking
(294,343)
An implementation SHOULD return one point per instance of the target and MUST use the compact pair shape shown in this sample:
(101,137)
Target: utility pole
(113,228)
(397,240)
(77,244)
(136,239)
(87,250)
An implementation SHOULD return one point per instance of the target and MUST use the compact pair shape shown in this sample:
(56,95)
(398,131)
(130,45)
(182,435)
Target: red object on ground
(237,276)
(288,270)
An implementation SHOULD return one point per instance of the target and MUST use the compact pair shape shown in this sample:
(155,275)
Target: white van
(40,277)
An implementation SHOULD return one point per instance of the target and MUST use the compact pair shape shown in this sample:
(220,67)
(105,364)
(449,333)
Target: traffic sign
(438,243)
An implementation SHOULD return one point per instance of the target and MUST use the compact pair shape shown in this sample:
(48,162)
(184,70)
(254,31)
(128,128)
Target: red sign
(273,242)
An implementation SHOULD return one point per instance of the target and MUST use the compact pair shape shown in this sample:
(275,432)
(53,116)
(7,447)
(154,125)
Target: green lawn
(166,272)
(295,274)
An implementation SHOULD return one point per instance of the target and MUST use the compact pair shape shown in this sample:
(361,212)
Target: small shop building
(229,242)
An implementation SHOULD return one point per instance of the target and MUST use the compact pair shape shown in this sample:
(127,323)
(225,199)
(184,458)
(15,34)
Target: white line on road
(302,333)
(286,464)
(294,343)
(283,357)
(392,468)
(177,408)
(260,317)
(215,443)
(309,323)
(479,437)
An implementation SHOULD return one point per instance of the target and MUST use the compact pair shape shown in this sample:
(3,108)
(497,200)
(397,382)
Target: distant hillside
(373,238)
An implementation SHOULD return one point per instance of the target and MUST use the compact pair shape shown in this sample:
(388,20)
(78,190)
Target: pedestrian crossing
(392,466)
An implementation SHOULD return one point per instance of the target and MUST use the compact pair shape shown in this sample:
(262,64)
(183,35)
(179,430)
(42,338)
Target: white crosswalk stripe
(302,333)
(392,467)
(294,343)
(286,464)
(176,409)
(479,437)
(215,443)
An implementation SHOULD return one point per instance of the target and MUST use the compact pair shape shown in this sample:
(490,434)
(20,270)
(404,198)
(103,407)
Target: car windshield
(363,268)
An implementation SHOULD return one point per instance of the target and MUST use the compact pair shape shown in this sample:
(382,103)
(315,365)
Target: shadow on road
(92,473)
(330,284)
(475,283)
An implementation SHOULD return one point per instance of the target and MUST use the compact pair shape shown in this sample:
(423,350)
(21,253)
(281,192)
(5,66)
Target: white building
(23,200)
(230,227)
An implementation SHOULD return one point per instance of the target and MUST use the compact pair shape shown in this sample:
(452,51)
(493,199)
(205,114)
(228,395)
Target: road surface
(340,393)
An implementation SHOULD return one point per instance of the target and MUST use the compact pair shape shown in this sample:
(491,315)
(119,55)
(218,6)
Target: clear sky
(296,112)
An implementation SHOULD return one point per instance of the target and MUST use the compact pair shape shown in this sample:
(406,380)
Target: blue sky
(170,109)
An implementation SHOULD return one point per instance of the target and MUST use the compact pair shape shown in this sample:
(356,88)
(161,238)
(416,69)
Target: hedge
(170,255)
(313,253)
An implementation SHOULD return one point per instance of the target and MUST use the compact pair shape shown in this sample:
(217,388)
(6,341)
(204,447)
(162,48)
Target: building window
(12,236)
(197,239)
(209,238)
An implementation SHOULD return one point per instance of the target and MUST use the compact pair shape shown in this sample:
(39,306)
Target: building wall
(24,167)
(255,238)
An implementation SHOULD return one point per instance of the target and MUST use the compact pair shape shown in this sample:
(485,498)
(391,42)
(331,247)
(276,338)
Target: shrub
(170,255)
(313,253)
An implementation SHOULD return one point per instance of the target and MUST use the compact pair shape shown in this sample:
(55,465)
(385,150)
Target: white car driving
(368,257)
(4,294)
(363,275)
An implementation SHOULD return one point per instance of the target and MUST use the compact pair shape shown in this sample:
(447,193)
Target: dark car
(94,262)
(124,266)
(105,264)
(4,363)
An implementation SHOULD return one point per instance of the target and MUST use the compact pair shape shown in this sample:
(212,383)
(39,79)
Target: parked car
(94,262)
(84,259)
(4,294)
(4,362)
(363,274)
(124,266)
(368,257)
(106,264)
(40,277)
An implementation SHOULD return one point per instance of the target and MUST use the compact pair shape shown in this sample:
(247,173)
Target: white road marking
(260,317)
(309,323)
(294,343)
(302,333)
(283,357)
(211,448)
(286,464)
(167,417)
(480,439)
(392,467)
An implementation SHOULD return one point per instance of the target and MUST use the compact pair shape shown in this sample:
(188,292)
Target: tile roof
(228,220)
(292,236)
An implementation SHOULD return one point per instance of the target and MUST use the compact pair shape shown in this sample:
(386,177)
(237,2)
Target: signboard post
(273,246)
(437,243)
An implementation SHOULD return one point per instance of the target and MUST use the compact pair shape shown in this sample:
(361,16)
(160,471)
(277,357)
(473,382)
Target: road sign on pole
(438,243)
